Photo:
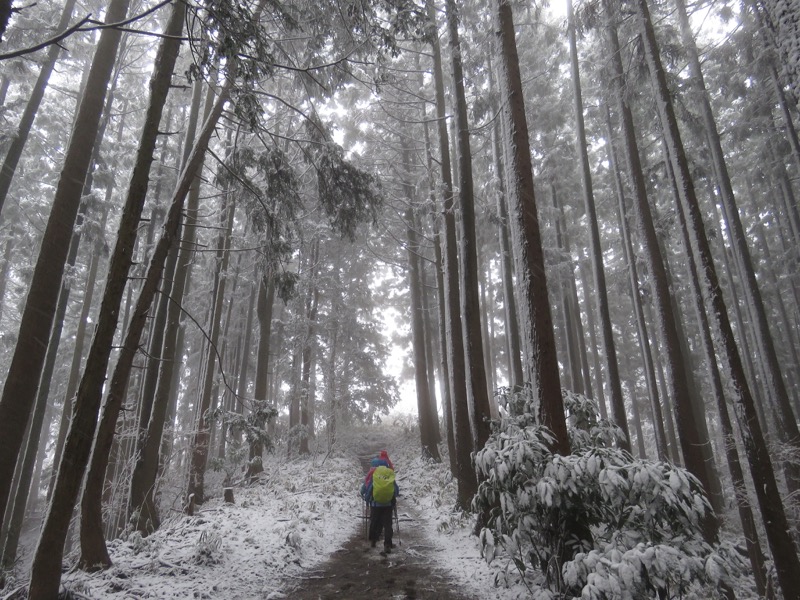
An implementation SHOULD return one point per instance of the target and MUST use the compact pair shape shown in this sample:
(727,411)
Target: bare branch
(79,27)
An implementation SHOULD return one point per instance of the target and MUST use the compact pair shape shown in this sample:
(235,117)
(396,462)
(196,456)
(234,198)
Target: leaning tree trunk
(738,241)
(93,549)
(77,355)
(168,389)
(200,446)
(47,559)
(784,553)
(141,494)
(21,384)
(536,321)
(39,424)
(618,413)
(749,529)
(636,299)
(677,380)
(462,434)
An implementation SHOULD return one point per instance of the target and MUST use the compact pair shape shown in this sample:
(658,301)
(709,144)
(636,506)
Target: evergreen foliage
(644,515)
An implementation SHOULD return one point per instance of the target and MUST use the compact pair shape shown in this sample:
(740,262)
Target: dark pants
(381,520)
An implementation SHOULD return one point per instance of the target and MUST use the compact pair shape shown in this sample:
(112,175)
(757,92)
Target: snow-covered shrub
(208,550)
(598,523)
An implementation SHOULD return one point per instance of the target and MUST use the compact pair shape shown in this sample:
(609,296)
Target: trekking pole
(366,519)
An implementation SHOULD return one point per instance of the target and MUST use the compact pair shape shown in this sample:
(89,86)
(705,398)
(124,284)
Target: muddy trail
(359,572)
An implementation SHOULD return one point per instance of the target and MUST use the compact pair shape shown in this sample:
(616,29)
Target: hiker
(380,490)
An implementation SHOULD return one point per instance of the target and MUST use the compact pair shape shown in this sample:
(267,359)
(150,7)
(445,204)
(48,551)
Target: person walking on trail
(380,490)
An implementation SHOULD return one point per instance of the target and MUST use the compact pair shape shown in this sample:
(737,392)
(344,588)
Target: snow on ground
(300,512)
(432,490)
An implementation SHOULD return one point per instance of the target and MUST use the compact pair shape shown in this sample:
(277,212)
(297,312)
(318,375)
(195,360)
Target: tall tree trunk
(21,384)
(477,389)
(784,553)
(598,272)
(462,434)
(438,269)
(754,552)
(536,320)
(515,377)
(636,299)
(426,428)
(37,429)
(574,305)
(444,367)
(93,549)
(570,329)
(266,298)
(598,371)
(77,355)
(430,337)
(201,446)
(306,384)
(635,415)
(183,280)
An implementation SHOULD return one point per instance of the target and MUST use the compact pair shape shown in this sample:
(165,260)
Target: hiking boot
(387,549)
(372,543)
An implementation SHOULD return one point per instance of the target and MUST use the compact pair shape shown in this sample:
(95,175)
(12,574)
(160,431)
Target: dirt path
(358,572)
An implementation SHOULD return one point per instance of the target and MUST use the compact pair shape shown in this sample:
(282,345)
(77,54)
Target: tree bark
(738,241)
(266,298)
(200,446)
(306,384)
(536,321)
(21,384)
(426,428)
(618,414)
(47,560)
(570,333)
(462,434)
(677,380)
(636,299)
(477,389)
(444,366)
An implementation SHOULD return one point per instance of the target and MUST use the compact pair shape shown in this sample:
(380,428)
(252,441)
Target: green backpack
(383,485)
